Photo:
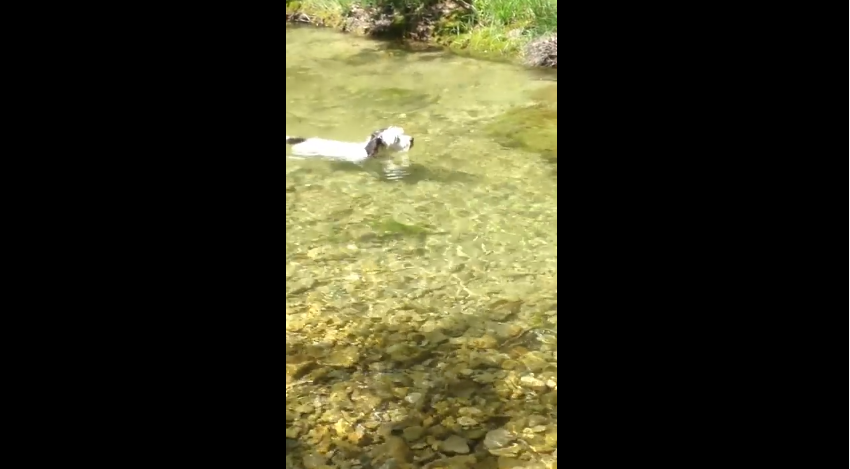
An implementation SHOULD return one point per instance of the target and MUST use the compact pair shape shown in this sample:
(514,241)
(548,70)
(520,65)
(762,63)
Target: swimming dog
(381,145)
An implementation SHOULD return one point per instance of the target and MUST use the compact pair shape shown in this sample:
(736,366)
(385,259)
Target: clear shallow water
(465,247)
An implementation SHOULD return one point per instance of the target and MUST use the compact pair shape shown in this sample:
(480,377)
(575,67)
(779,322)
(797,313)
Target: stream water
(431,302)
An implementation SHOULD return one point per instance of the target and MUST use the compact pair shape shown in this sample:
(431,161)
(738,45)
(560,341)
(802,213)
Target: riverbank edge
(429,28)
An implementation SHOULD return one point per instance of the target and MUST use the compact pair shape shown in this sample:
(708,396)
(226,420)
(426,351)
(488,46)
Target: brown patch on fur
(374,145)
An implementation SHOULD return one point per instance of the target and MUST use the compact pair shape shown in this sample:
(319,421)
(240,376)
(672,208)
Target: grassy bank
(488,27)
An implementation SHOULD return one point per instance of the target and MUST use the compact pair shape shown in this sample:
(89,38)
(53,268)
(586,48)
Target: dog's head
(391,138)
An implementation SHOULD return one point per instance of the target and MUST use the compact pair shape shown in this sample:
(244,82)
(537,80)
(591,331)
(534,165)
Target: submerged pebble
(420,314)
(455,444)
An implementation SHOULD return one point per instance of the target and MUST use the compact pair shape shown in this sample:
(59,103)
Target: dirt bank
(450,23)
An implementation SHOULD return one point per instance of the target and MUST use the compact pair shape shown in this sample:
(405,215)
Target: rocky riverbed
(421,390)
(421,314)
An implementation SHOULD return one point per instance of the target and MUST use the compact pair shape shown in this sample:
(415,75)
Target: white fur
(393,138)
(332,149)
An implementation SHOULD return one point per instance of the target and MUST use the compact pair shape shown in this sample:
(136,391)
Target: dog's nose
(411,142)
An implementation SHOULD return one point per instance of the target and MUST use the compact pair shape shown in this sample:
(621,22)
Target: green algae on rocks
(531,128)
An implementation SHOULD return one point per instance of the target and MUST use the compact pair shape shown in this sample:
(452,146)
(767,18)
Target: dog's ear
(377,132)
(373,146)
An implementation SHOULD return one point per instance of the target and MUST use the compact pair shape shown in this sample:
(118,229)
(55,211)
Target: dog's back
(379,147)
(330,149)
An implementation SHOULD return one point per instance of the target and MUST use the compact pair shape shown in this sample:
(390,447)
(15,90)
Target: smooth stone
(455,444)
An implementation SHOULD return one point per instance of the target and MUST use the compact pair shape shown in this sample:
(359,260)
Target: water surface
(457,261)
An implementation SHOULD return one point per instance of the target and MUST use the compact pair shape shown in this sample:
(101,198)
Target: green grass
(495,27)
(539,16)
